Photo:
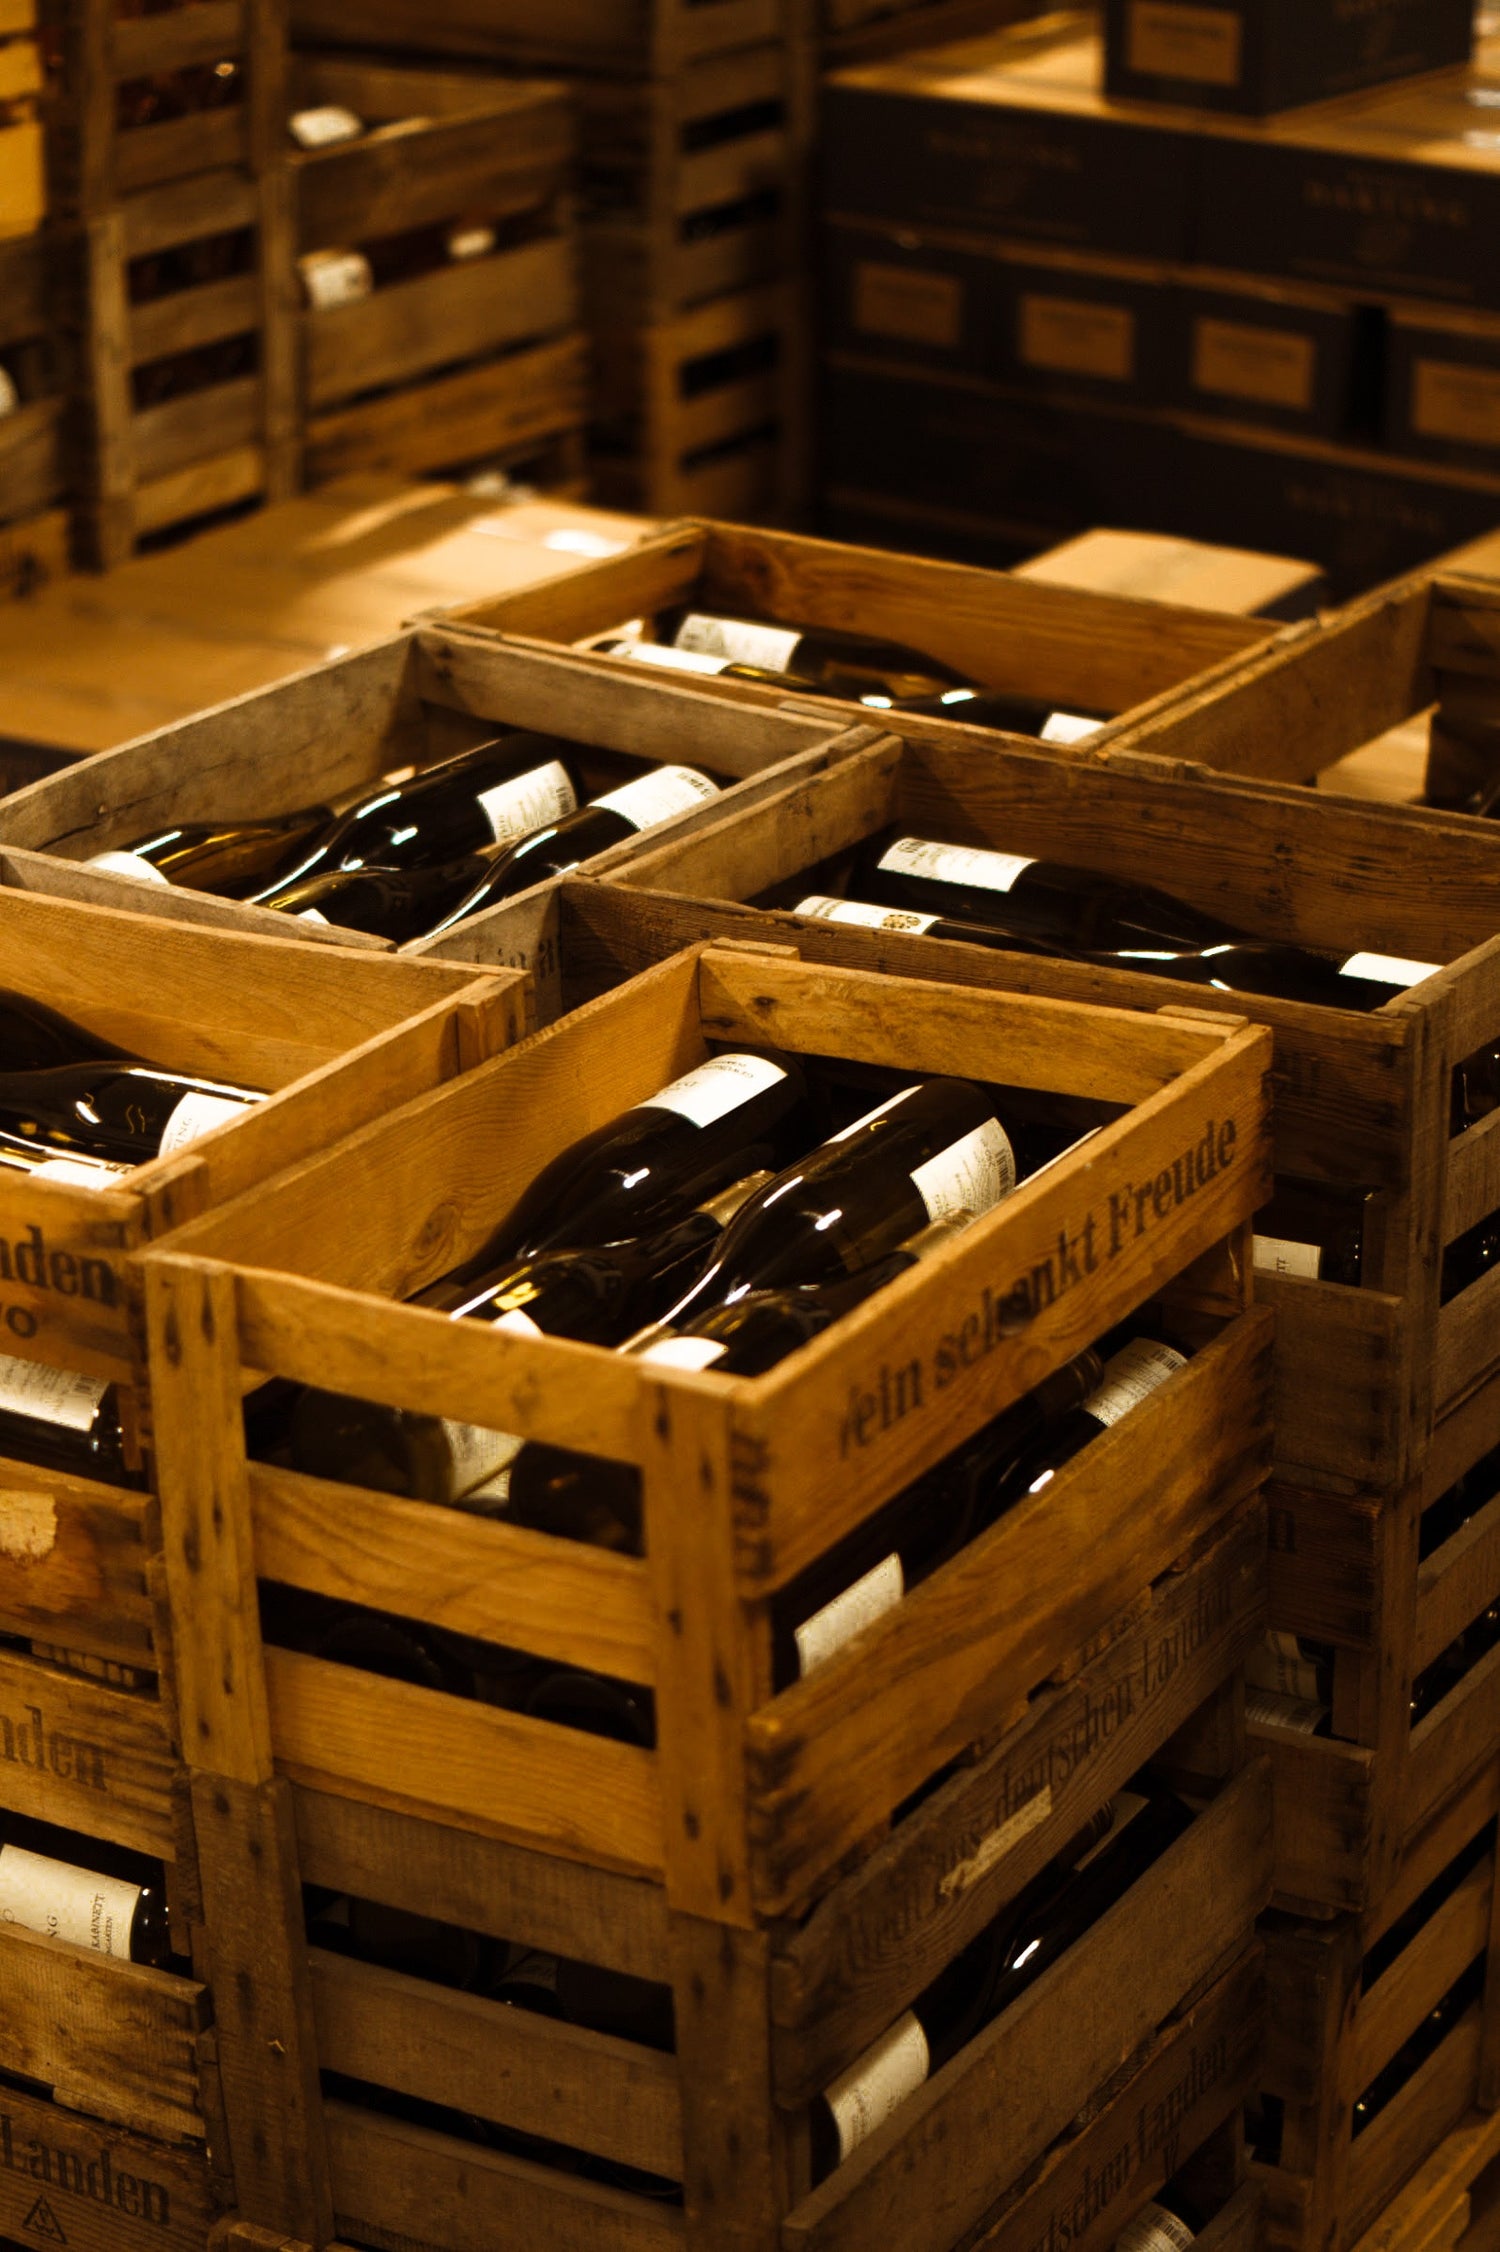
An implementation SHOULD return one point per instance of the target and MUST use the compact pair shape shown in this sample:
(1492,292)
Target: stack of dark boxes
(694,124)
(1077,305)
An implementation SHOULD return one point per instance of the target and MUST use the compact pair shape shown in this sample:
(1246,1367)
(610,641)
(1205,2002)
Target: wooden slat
(1471,1184)
(1458,2160)
(1403,2134)
(1456,1583)
(559,1599)
(87,1757)
(503,405)
(539,2075)
(203,141)
(1452,1741)
(338,1729)
(199,424)
(1466,1351)
(110,2037)
(72,1564)
(1392,2009)
(158,2197)
(1326,1841)
(194,316)
(147,46)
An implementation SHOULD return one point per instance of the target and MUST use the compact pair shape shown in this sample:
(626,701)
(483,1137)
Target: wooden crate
(33,526)
(601,37)
(1360,1101)
(1094,652)
(229,434)
(23,187)
(96,156)
(687,1857)
(1333,2024)
(65,2178)
(419,697)
(704,414)
(695,185)
(1450,2201)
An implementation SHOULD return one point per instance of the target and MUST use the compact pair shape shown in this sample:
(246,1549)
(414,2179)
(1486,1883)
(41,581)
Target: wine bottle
(865,915)
(1073,909)
(848,665)
(226,857)
(398,1940)
(36,1038)
(1313,1232)
(993,708)
(17,1155)
(118,1109)
(92,1895)
(1154,2229)
(324,123)
(61,1420)
(1307,1715)
(655,1162)
(566,843)
(698,662)
(934,1149)
(1361,982)
(490,795)
(1129,1376)
(593,1295)
(1290,1666)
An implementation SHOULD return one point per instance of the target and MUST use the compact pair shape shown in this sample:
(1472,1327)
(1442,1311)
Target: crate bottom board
(65,2179)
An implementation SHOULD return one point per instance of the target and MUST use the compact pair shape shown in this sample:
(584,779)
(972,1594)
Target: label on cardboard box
(1272,366)
(1072,336)
(1202,45)
(1451,401)
(901,301)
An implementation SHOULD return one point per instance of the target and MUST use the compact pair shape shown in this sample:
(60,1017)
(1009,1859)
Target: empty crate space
(33,530)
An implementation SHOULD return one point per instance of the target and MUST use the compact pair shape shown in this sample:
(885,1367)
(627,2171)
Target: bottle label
(1272,1711)
(465,243)
(856,911)
(1069,727)
(686,1352)
(10,397)
(519,1323)
(849,1614)
(492,1499)
(1275,1256)
(864,2097)
(513,809)
(971,1175)
(78,1172)
(1154,2229)
(1388,969)
(476,1455)
(1130,1377)
(52,1395)
(66,1903)
(1278,1665)
(319,128)
(195,1115)
(740,641)
(335,277)
(715,1088)
(656,797)
(955,864)
(126,864)
(313,915)
(674,660)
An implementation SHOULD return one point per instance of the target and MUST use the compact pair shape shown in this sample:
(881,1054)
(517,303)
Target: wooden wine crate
(33,526)
(599,37)
(97,156)
(1333,2024)
(23,186)
(409,701)
(66,2179)
(1080,651)
(705,413)
(1361,1101)
(695,185)
(1450,2201)
(229,433)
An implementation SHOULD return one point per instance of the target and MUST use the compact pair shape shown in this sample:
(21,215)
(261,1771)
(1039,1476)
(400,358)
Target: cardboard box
(1258,56)
(1443,385)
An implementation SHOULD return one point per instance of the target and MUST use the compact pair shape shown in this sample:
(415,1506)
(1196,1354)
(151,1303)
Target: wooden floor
(90,662)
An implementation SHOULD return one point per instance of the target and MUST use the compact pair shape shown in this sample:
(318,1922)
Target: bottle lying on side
(66,1091)
(61,1420)
(75,1888)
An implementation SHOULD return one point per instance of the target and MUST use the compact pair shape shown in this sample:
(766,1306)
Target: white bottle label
(52,1395)
(686,1352)
(1131,1376)
(475,1454)
(313,915)
(1275,1256)
(717,1087)
(856,911)
(955,864)
(1069,727)
(892,2069)
(78,1172)
(66,1903)
(319,128)
(1284,1712)
(126,864)
(465,243)
(519,1324)
(1154,2229)
(971,1175)
(195,1115)
(849,1614)
(1388,969)
(335,277)
(10,397)
(492,1499)
(1277,1664)
(656,797)
(740,641)
(513,809)
(674,660)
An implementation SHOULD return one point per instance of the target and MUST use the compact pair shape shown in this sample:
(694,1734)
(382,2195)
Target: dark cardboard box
(1297,359)
(1259,56)
(1443,385)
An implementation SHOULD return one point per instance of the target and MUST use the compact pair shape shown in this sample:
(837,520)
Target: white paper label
(717,1087)
(1275,1256)
(892,2069)
(10,397)
(465,243)
(856,911)
(513,809)
(1388,969)
(78,1172)
(313,915)
(1277,1664)
(475,1454)
(657,796)
(66,1903)
(1130,1377)
(519,1323)
(675,660)
(1168,40)
(126,864)
(686,1352)
(52,1395)
(1069,727)
(971,1175)
(849,1614)
(1284,1712)
(740,641)
(1154,2229)
(195,1115)
(955,864)
(318,128)
(335,277)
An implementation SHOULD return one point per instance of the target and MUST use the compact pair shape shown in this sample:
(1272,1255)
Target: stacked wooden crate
(33,528)
(695,140)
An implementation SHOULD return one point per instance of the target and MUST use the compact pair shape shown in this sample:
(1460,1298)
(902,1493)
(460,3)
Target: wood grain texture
(107,2191)
(1436,2097)
(109,2037)
(72,1564)
(84,1756)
